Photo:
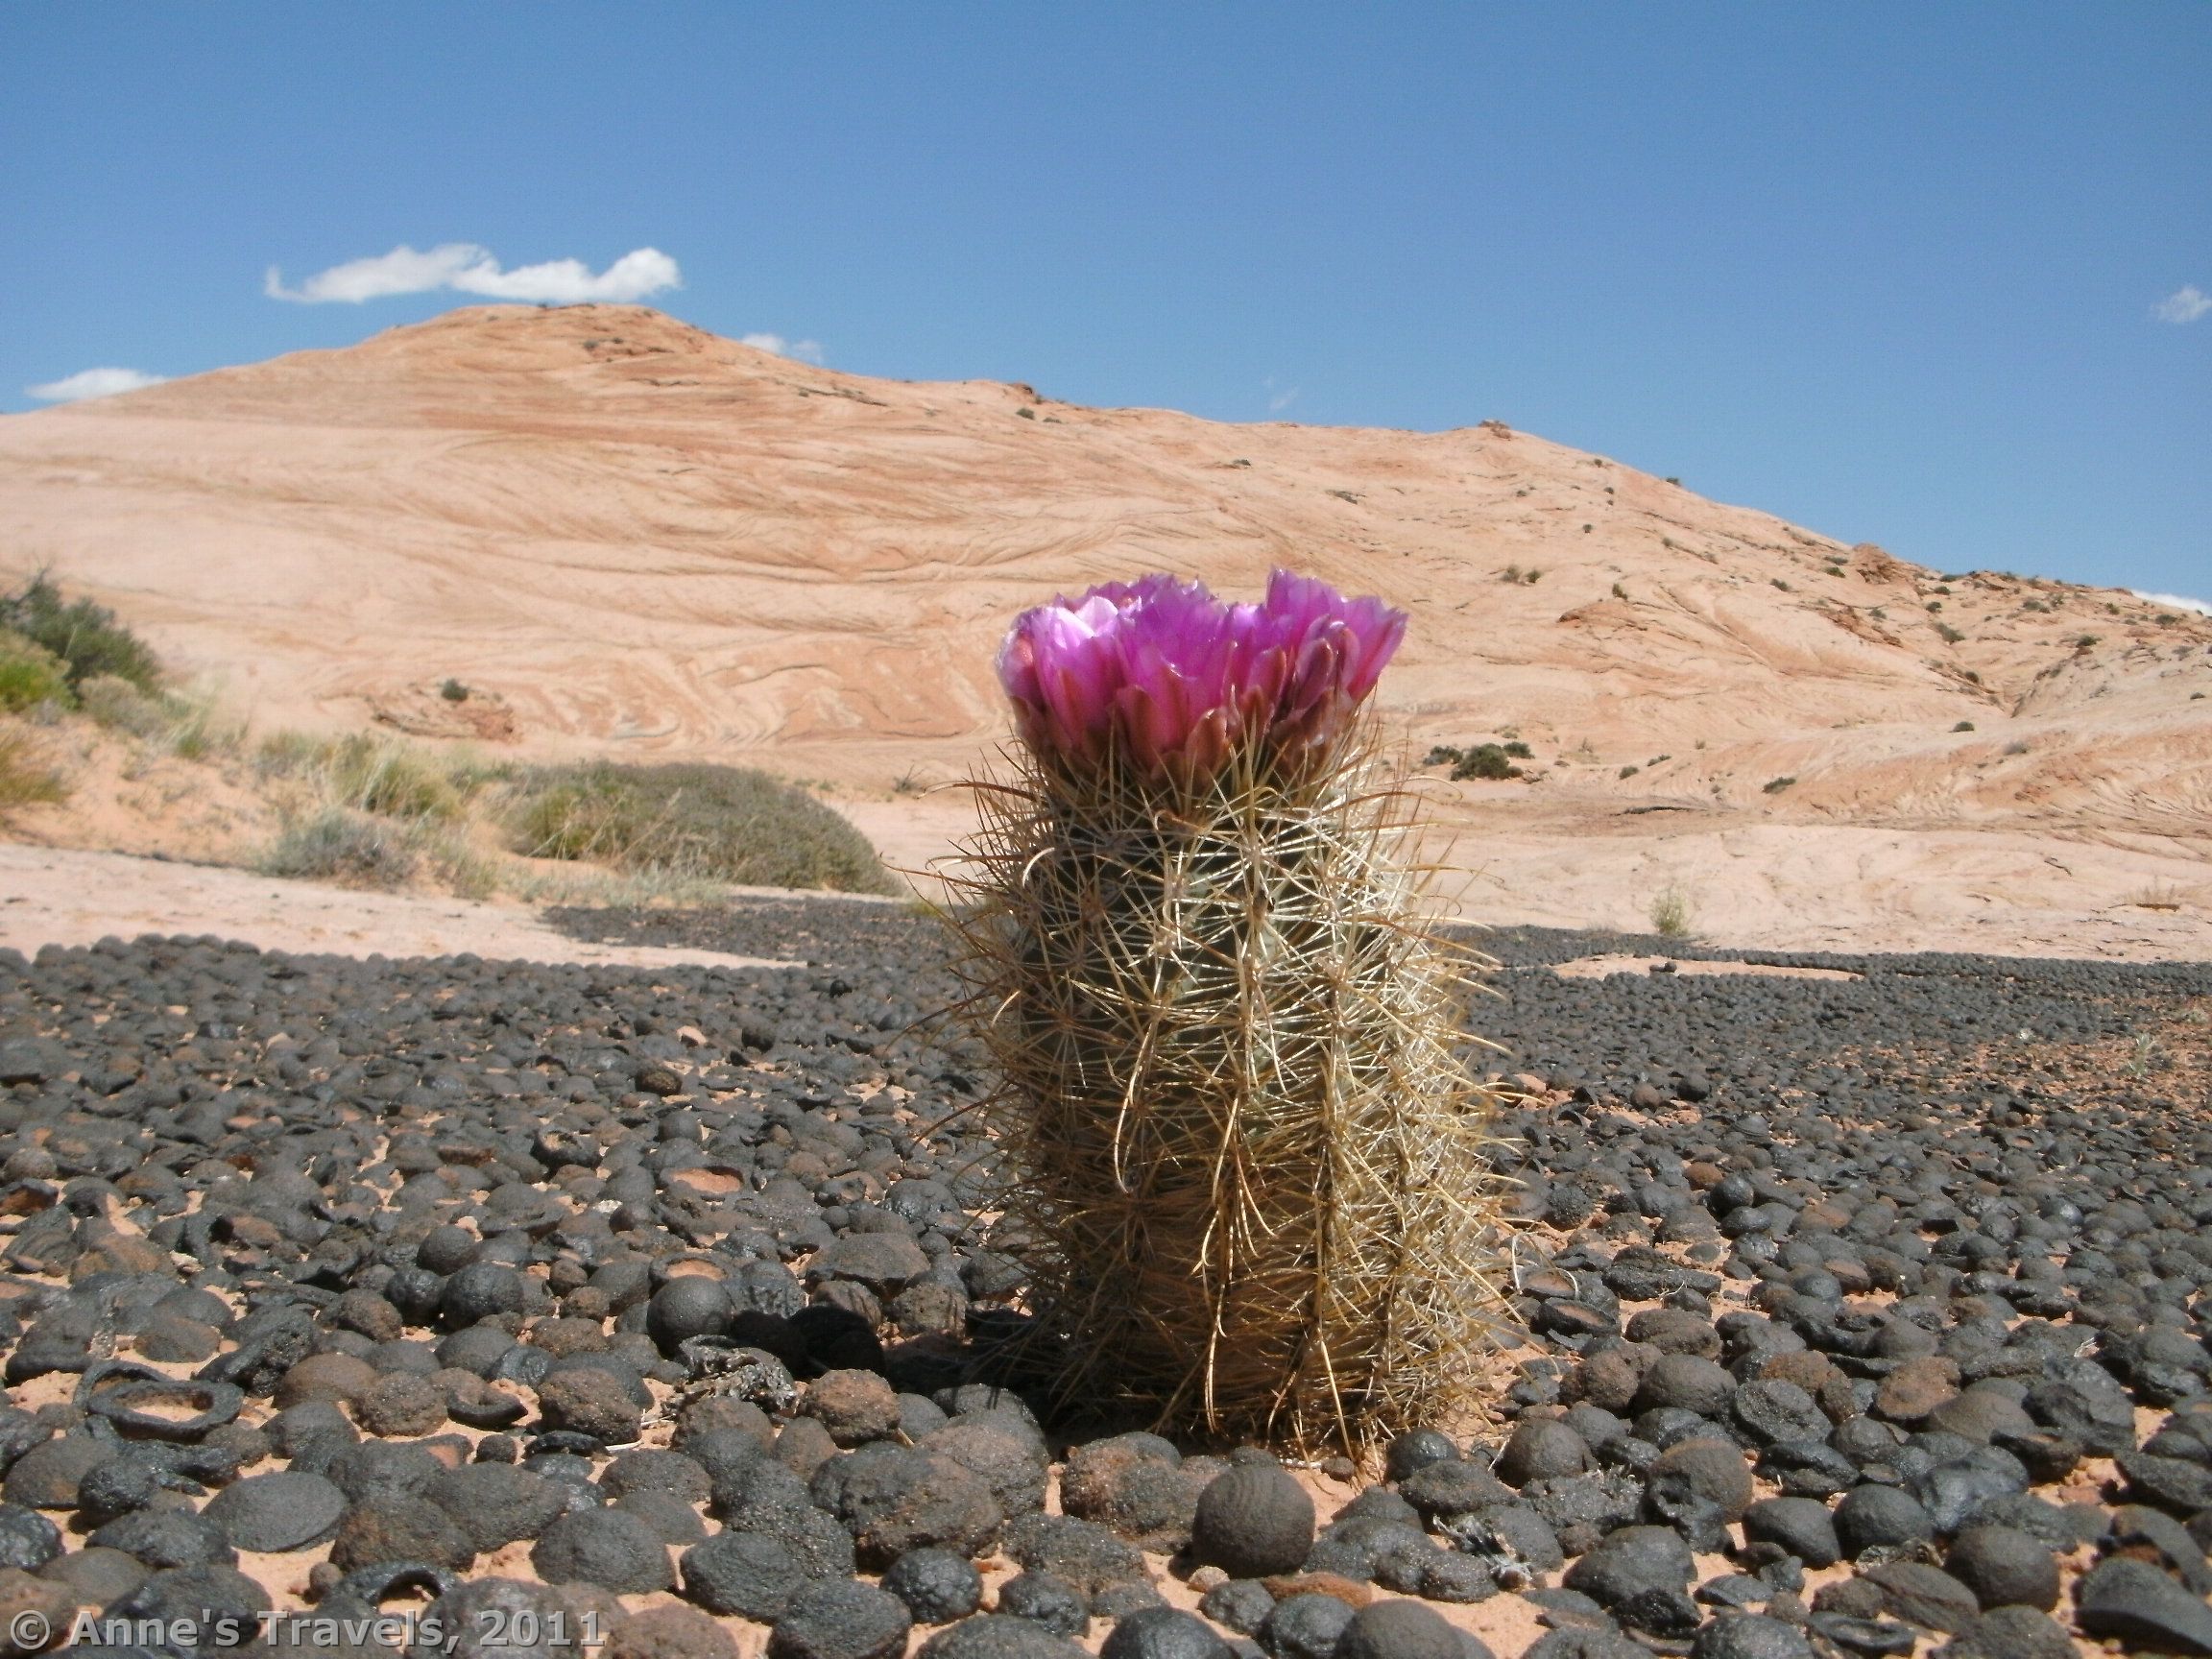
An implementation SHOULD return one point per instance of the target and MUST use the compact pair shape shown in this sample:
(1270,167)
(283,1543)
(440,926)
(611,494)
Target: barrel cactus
(1246,1158)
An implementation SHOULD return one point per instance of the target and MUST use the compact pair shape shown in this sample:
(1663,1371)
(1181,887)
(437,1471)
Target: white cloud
(806,350)
(468,269)
(1280,398)
(2176,602)
(92,383)
(2185,304)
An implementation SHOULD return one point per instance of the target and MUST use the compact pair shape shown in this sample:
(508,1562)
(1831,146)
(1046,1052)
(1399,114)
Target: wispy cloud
(92,383)
(468,269)
(2176,601)
(2185,304)
(1280,397)
(806,350)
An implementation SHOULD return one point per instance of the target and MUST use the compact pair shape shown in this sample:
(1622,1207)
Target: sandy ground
(1749,883)
(49,896)
(1990,898)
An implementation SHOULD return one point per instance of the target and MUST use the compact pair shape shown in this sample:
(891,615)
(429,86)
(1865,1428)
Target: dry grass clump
(27,779)
(708,822)
(1249,1160)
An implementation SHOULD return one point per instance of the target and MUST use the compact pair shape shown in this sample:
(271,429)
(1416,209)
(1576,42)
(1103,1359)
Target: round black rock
(1400,1630)
(480,1290)
(1240,1604)
(1543,1449)
(273,1513)
(937,1585)
(1253,1521)
(748,1574)
(1305,1627)
(1412,1452)
(996,1636)
(603,1546)
(1048,1600)
(1163,1633)
(27,1540)
(841,1618)
(2004,1568)
(1873,1516)
(687,1306)
(1630,1560)
(1750,1636)
(1800,1525)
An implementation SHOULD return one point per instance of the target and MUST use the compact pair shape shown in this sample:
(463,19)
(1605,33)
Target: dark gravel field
(1865,1316)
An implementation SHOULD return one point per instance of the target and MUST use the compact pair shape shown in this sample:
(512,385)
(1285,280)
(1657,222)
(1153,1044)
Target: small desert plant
(2085,641)
(27,779)
(453,691)
(2156,896)
(1949,635)
(1485,760)
(85,636)
(1671,914)
(1963,726)
(1250,1160)
(722,823)
(1775,785)
(1779,583)
(31,674)
(1630,771)
(1519,750)
(341,845)
(1619,591)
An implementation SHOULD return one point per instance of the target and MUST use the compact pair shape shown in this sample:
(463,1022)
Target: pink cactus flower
(1160,672)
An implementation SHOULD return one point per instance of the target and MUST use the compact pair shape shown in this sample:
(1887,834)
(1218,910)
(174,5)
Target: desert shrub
(1963,726)
(727,823)
(1775,785)
(1671,914)
(186,726)
(1949,635)
(338,844)
(453,691)
(26,777)
(1484,760)
(1630,771)
(1519,750)
(29,674)
(1619,591)
(1779,583)
(85,636)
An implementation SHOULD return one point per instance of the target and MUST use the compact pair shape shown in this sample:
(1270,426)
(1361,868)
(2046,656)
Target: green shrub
(1775,785)
(26,780)
(29,674)
(1630,771)
(85,636)
(1484,760)
(1520,750)
(453,691)
(726,823)
(1671,914)
(1963,726)
(339,845)
(1950,634)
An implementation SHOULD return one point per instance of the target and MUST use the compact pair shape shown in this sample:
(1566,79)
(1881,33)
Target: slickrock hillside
(624,534)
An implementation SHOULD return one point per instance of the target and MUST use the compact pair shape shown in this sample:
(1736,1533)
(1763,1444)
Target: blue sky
(1936,276)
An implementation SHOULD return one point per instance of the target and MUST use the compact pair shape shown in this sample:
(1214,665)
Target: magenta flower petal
(1163,674)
